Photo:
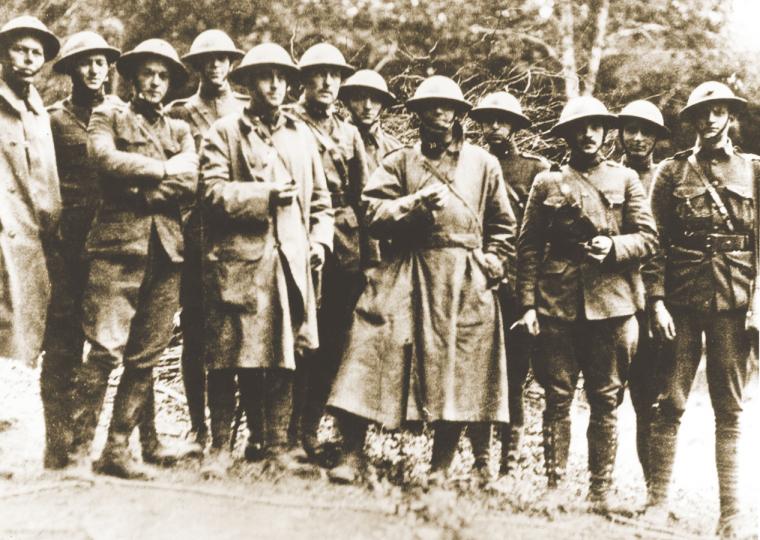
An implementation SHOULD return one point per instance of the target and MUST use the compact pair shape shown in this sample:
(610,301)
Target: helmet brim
(345,69)
(610,121)
(50,43)
(661,131)
(240,73)
(63,65)
(387,98)
(128,61)
(735,103)
(193,59)
(482,114)
(460,106)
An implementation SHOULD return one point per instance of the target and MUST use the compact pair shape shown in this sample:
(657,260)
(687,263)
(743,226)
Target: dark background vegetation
(542,50)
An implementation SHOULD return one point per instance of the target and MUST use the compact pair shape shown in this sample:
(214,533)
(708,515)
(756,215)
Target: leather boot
(252,400)
(352,463)
(726,460)
(663,437)
(480,439)
(556,450)
(194,381)
(131,396)
(643,428)
(445,441)
(89,394)
(56,388)
(511,439)
(602,452)
(153,450)
(221,404)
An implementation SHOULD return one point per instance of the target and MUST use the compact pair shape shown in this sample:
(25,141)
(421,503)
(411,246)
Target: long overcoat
(260,295)
(427,341)
(29,210)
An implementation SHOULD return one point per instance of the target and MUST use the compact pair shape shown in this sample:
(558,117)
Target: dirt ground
(252,503)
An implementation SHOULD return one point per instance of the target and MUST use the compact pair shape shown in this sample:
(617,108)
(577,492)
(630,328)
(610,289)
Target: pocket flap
(689,192)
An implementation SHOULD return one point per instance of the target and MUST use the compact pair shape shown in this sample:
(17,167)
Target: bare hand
(316,256)
(435,196)
(284,195)
(181,164)
(528,322)
(493,267)
(598,247)
(663,321)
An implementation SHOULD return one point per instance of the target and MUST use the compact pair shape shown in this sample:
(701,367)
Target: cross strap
(714,195)
(449,184)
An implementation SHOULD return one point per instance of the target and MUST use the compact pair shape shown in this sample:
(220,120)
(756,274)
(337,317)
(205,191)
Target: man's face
(152,80)
(321,85)
(364,106)
(90,71)
(24,58)
(214,69)
(437,115)
(587,136)
(497,131)
(638,138)
(711,120)
(268,87)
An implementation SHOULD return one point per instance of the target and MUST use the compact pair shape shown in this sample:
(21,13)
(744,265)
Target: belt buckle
(723,242)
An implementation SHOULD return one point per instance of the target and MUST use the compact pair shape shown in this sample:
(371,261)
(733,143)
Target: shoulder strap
(714,195)
(449,184)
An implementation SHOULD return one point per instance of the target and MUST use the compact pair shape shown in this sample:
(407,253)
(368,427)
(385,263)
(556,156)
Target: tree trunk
(597,47)
(567,46)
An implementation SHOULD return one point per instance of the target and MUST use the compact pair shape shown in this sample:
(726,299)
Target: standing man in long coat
(703,202)
(211,55)
(585,232)
(86,58)
(148,172)
(427,343)
(30,205)
(323,68)
(641,126)
(500,116)
(268,220)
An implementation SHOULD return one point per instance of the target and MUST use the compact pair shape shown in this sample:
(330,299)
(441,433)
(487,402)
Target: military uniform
(704,274)
(135,248)
(64,339)
(377,143)
(586,309)
(345,163)
(519,169)
(200,111)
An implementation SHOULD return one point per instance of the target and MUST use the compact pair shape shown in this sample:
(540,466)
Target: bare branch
(597,47)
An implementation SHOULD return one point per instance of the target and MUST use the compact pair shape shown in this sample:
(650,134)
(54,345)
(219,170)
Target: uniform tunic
(377,143)
(260,294)
(29,211)
(427,341)
(135,243)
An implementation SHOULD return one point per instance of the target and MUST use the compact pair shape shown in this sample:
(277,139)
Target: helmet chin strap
(627,153)
(721,135)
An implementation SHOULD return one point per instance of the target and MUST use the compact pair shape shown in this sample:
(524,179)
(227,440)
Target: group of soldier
(322,265)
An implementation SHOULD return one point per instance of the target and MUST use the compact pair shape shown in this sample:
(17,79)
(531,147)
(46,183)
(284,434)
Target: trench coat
(553,276)
(427,341)
(29,211)
(257,277)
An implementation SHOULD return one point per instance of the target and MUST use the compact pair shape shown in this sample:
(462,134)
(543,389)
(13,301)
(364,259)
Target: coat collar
(722,152)
(33,101)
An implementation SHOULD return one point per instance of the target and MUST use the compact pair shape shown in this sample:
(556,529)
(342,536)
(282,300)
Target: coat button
(11,234)
(12,189)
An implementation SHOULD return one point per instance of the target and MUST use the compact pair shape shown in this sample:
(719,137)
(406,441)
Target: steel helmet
(644,111)
(500,104)
(438,88)
(582,108)
(28,25)
(82,43)
(325,55)
(261,56)
(153,48)
(711,92)
(367,79)
(212,42)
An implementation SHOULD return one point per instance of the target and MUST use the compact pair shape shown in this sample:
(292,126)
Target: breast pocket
(741,206)
(692,208)
(616,219)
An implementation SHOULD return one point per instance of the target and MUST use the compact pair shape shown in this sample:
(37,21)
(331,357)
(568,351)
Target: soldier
(500,116)
(86,58)
(702,199)
(640,127)
(427,341)
(269,225)
(148,170)
(366,96)
(30,205)
(340,145)
(585,230)
(211,55)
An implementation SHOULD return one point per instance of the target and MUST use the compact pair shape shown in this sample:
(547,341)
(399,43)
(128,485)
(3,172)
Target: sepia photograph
(379,269)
